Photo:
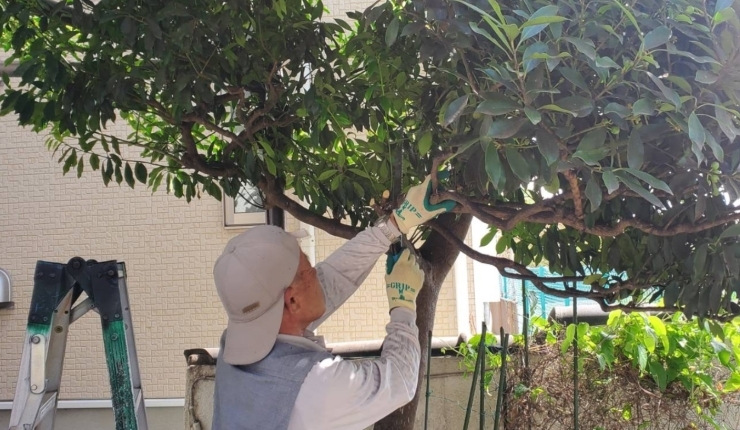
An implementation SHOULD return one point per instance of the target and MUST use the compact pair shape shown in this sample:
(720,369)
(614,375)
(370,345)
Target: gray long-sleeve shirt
(348,395)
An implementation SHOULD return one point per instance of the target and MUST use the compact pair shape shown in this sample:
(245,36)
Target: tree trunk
(439,257)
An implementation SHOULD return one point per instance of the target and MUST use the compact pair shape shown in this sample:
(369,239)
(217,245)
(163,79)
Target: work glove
(416,209)
(403,280)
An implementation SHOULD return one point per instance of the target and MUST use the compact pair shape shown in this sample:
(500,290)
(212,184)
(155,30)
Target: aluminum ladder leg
(56,289)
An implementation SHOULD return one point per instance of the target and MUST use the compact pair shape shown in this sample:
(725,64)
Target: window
(246,210)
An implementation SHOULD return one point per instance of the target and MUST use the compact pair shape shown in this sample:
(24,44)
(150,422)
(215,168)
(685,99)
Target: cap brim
(250,342)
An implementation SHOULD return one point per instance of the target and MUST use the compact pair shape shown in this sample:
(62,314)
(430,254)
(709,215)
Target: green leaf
(717,150)
(570,334)
(700,261)
(593,193)
(706,77)
(425,143)
(128,174)
(650,179)
(635,150)
(606,63)
(518,164)
(476,29)
(643,107)
(506,128)
(611,182)
(327,174)
(494,168)
(499,106)
(731,231)
(733,383)
(575,77)
(535,117)
(724,15)
(140,172)
(454,110)
(635,186)
(359,172)
(697,133)
(670,94)
(659,374)
(488,237)
(660,330)
(584,46)
(642,357)
(539,20)
(529,61)
(94,161)
(557,108)
(594,139)
(657,37)
(80,167)
(725,122)
(70,162)
(722,4)
(548,147)
(391,33)
(579,106)
(672,291)
(616,108)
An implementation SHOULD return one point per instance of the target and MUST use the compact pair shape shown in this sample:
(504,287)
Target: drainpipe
(461,295)
(486,278)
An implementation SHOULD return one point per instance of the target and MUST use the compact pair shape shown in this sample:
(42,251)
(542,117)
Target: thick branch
(577,200)
(214,128)
(550,211)
(270,101)
(502,264)
(274,196)
(193,160)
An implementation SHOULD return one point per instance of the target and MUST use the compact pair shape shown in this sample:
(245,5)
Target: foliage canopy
(597,137)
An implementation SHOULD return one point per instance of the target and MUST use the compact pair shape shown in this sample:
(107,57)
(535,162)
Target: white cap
(251,277)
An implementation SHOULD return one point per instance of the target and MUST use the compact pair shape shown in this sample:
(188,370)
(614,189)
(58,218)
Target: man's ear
(291,302)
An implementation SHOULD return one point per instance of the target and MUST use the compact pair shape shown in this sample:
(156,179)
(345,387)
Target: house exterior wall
(169,247)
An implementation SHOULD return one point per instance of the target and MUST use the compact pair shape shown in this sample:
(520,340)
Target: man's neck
(292,328)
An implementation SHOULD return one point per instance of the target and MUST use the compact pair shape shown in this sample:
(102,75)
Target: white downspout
(461,295)
(485,277)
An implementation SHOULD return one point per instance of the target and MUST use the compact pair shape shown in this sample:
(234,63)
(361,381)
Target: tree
(596,137)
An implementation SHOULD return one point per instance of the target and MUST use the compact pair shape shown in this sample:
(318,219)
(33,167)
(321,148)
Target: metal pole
(501,378)
(472,385)
(575,365)
(429,391)
(482,354)
(526,344)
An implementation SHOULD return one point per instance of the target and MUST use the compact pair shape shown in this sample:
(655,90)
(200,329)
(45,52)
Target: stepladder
(54,307)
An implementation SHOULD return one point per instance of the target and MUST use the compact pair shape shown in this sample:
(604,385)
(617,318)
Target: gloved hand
(403,280)
(417,209)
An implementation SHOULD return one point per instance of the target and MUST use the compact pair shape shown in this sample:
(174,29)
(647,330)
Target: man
(272,372)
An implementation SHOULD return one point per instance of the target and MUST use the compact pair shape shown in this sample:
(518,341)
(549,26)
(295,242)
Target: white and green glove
(417,209)
(403,280)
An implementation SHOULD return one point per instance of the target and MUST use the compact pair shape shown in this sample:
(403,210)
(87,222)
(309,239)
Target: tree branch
(214,128)
(502,264)
(577,200)
(193,160)
(274,196)
(506,216)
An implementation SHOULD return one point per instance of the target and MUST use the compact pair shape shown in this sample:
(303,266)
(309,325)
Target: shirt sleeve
(342,273)
(354,394)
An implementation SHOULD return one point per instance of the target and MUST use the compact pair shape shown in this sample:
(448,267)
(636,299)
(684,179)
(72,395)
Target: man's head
(265,282)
